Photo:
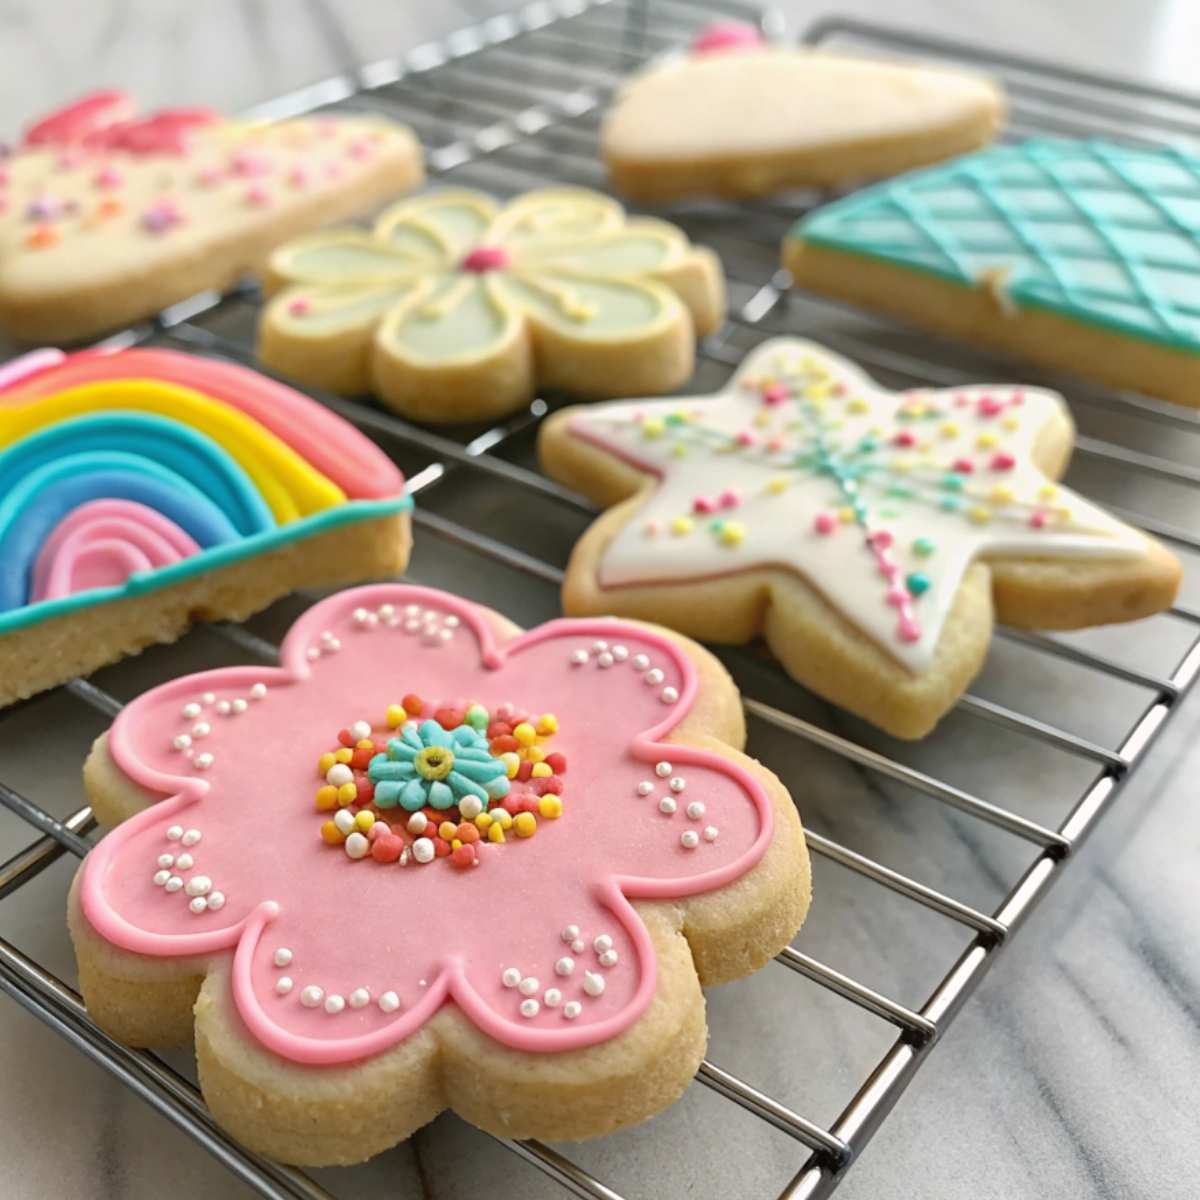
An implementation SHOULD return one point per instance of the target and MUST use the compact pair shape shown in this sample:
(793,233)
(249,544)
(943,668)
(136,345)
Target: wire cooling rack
(513,103)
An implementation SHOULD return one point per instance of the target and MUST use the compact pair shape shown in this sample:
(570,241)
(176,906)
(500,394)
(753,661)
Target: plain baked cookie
(106,219)
(456,308)
(144,489)
(432,862)
(739,119)
(1080,256)
(869,535)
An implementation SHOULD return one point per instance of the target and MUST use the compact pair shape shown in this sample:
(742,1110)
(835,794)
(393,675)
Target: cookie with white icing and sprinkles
(107,218)
(1081,256)
(871,536)
(433,862)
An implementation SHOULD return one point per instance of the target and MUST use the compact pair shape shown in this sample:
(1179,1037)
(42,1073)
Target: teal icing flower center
(428,765)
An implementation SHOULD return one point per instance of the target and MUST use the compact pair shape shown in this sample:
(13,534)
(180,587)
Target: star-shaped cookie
(870,535)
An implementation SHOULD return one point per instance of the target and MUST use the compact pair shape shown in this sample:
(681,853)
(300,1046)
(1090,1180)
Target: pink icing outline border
(451,982)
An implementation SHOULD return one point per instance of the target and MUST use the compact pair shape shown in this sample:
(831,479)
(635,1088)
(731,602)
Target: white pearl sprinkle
(387,611)
(601,943)
(695,810)
(360,998)
(284,984)
(216,900)
(446,634)
(258,691)
(360,616)
(184,862)
(181,742)
(198,905)
(199,885)
(174,833)
(654,677)
(620,653)
(191,711)
(510,977)
(450,621)
(166,860)
(689,839)
(312,996)
(190,837)
(645,788)
(528,986)
(203,761)
(470,807)
(344,820)
(338,774)
(412,610)
(572,1009)
(578,658)
(417,823)
(640,662)
(208,697)
(565,965)
(357,846)
(552,998)
(312,653)
(579,945)
(608,958)
(334,1004)
(530,1008)
(667,805)
(599,647)
(570,933)
(710,833)
(282,957)
(224,707)
(173,884)
(411,626)
(423,850)
(201,729)
(678,783)
(161,877)
(662,769)
(389,1002)
(669,695)
(604,660)
(593,984)
(329,640)
(239,706)
(360,730)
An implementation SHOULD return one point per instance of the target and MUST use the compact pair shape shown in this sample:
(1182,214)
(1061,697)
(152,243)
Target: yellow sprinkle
(512,763)
(762,420)
(679,449)
(777,485)
(1047,491)
(364,744)
(541,771)
(547,724)
(327,797)
(347,794)
(550,807)
(1001,494)
(1063,513)
(483,821)
(902,465)
(858,405)
(525,824)
(817,391)
(324,763)
(396,715)
(525,733)
(495,833)
(535,754)
(653,427)
(732,533)
(846,515)
(1011,423)
(682,525)
(447,829)
(980,514)
(364,820)
(455,843)
(948,429)
(986,441)
(344,755)
(332,834)
(503,818)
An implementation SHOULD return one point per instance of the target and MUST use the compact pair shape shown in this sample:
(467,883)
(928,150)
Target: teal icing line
(144,582)
(909,199)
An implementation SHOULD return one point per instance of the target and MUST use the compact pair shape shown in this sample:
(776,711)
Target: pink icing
(85,117)
(485,258)
(28,365)
(100,544)
(432,934)
(331,445)
(722,36)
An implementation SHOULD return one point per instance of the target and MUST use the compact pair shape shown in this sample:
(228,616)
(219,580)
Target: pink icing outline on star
(609,888)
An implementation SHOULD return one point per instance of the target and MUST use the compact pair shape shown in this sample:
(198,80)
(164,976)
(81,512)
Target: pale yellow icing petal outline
(600,254)
(428,214)
(552,216)
(366,260)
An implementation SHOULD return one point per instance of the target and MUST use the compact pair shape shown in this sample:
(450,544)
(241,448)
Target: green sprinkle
(901,491)
(952,483)
(477,716)
(867,445)
(918,583)
(950,504)
(923,547)
(673,419)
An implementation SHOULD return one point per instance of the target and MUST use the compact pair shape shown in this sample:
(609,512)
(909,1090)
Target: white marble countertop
(1071,1073)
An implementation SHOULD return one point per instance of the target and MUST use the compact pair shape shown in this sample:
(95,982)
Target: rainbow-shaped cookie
(143,488)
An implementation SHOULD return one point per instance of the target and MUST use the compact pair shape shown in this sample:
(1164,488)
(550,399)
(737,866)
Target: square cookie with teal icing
(872,537)
(1081,256)
(457,307)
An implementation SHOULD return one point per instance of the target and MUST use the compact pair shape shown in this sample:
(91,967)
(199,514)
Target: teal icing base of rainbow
(142,583)
(1105,234)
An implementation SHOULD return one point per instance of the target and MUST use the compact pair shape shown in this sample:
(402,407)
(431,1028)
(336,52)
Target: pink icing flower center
(723,36)
(485,258)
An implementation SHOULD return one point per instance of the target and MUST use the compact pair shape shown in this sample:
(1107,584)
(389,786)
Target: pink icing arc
(330,444)
(722,36)
(85,117)
(28,365)
(125,910)
(102,543)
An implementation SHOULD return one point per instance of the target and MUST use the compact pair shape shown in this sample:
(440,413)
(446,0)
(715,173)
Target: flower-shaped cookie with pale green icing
(455,307)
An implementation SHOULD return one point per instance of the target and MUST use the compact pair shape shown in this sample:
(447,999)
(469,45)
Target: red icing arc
(329,444)
(106,120)
(347,926)
(86,117)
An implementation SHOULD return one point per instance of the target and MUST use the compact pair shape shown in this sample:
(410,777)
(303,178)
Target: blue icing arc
(29,513)
(1103,233)
(188,454)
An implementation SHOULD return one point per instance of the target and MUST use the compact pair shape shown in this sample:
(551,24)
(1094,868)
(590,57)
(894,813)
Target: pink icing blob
(105,120)
(331,445)
(28,365)
(431,934)
(101,543)
(485,258)
(84,117)
(723,36)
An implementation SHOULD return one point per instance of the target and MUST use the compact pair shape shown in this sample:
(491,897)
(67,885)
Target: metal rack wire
(511,103)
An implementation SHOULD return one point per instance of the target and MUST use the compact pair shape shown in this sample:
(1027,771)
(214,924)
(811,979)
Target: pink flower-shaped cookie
(532,794)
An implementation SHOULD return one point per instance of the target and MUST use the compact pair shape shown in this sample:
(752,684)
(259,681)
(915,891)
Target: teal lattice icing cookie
(1079,255)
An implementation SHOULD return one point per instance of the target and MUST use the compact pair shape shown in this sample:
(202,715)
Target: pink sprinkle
(964,466)
(107,177)
(1017,398)
(722,36)
(1003,462)
(961,401)
(299,307)
(729,498)
(825,523)
(247,165)
(745,439)
(702,504)
(839,389)
(775,394)
(208,177)
(1038,520)
(989,406)
(333,171)
(359,150)
(68,159)
(908,630)
(485,258)
(259,197)
(4,178)
(651,527)
(881,539)
(327,126)
(888,569)
(897,596)
(297,177)
(904,438)
(775,444)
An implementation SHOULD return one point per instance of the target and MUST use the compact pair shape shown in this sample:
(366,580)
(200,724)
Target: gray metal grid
(513,103)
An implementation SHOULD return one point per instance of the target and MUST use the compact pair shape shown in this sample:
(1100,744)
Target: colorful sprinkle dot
(923,547)
(918,583)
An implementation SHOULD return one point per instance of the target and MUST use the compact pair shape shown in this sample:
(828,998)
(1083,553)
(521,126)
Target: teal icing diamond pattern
(1100,232)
